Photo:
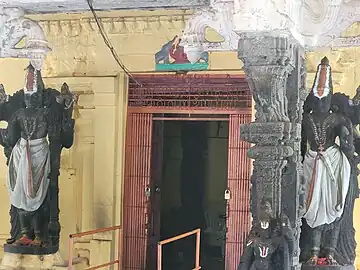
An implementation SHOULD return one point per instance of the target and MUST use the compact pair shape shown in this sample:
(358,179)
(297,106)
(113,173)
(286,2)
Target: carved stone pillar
(274,66)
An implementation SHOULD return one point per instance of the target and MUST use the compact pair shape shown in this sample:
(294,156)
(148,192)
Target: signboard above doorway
(174,57)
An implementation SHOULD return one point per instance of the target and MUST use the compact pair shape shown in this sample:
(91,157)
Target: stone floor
(12,261)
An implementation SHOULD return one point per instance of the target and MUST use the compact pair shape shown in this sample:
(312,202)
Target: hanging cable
(108,43)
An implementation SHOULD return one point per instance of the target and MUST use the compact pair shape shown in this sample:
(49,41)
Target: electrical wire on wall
(108,42)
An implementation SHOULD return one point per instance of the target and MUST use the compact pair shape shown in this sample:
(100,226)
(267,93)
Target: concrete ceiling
(50,6)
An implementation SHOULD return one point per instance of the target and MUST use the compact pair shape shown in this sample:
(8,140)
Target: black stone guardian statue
(270,242)
(40,124)
(330,175)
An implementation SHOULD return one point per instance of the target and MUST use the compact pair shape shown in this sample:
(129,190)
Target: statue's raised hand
(66,97)
(3,95)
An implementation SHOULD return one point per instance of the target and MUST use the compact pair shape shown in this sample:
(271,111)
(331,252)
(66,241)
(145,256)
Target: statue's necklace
(319,133)
(30,126)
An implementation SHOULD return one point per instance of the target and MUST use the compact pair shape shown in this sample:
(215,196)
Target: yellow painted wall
(91,178)
(91,171)
(135,35)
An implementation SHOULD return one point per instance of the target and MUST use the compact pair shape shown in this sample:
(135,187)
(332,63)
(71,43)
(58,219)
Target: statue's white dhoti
(28,173)
(327,174)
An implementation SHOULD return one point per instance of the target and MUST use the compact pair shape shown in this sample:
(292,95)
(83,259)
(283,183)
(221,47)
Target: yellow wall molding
(122,25)
(343,65)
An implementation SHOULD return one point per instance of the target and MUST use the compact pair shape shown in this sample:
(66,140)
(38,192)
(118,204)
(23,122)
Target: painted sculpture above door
(173,56)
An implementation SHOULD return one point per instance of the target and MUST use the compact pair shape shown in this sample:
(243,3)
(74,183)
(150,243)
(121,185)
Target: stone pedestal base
(325,267)
(12,261)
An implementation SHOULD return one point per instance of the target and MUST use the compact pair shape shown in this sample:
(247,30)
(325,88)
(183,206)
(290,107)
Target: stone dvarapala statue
(330,147)
(270,242)
(330,173)
(40,124)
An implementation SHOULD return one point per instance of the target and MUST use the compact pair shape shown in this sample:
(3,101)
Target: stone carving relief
(16,29)
(325,20)
(277,16)
(313,23)
(218,16)
(276,74)
(75,42)
(268,68)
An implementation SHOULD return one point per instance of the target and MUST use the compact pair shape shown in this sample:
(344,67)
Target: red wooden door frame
(238,207)
(155,195)
(138,176)
(137,179)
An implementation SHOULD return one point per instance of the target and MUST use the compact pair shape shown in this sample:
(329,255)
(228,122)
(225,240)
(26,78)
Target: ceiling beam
(58,6)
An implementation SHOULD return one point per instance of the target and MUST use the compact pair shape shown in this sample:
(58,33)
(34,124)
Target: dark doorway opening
(193,182)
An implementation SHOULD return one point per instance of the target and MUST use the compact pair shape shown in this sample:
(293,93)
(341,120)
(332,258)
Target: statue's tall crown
(37,84)
(322,86)
(324,61)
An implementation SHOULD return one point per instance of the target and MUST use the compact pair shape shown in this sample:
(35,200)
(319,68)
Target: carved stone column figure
(40,125)
(275,69)
(272,37)
(293,200)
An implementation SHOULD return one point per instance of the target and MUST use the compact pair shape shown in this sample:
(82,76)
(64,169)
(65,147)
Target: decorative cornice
(321,24)
(342,62)
(124,25)
(74,39)
(217,17)
(346,42)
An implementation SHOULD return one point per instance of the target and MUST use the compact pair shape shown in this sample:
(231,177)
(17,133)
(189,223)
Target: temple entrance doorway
(178,117)
(193,182)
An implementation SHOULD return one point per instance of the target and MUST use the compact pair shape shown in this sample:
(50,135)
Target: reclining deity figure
(327,169)
(39,126)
